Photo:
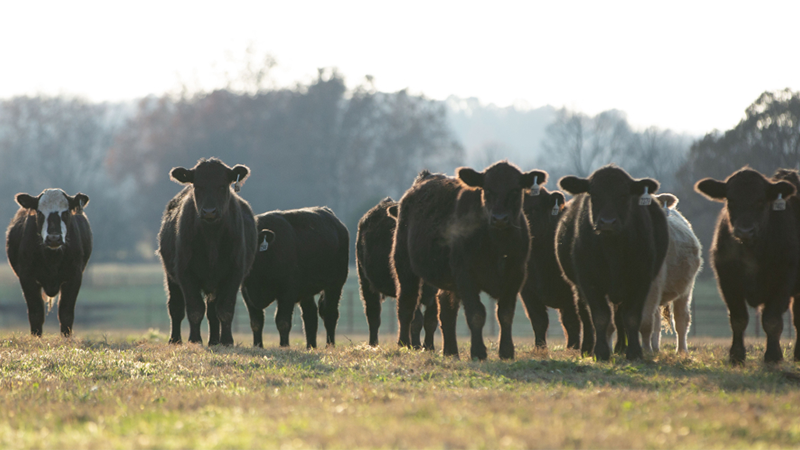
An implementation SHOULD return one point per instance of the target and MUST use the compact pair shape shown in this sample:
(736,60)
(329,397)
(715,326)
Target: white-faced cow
(464,235)
(610,245)
(302,252)
(756,252)
(48,244)
(672,288)
(207,243)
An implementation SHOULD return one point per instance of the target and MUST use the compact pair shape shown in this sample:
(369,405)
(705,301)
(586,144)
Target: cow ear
(667,200)
(574,185)
(469,177)
(534,176)
(27,202)
(78,202)
(558,196)
(392,211)
(784,188)
(712,189)
(182,175)
(239,172)
(266,234)
(637,188)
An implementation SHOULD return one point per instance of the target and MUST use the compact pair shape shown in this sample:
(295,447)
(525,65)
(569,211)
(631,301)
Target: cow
(373,250)
(610,246)
(207,243)
(544,286)
(48,244)
(464,235)
(673,286)
(302,252)
(755,252)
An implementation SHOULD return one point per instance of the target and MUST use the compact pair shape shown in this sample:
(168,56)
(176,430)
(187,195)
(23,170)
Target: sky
(689,66)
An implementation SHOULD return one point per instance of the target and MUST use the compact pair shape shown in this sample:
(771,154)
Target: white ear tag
(264,245)
(779,204)
(535,187)
(645,199)
(556,209)
(238,187)
(666,209)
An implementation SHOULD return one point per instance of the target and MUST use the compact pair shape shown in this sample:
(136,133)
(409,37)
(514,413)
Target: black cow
(207,243)
(464,235)
(48,243)
(545,287)
(611,247)
(373,250)
(756,252)
(302,252)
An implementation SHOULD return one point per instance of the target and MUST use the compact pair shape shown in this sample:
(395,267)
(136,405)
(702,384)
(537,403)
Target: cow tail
(667,321)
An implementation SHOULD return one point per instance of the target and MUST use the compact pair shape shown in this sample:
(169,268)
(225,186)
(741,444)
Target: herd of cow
(614,258)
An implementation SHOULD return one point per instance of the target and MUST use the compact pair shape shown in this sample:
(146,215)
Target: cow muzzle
(209,214)
(745,234)
(606,225)
(54,240)
(500,221)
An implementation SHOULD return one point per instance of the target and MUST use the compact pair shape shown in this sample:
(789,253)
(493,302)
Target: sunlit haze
(689,66)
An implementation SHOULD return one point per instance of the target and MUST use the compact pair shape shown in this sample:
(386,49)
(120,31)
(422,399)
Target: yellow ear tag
(264,245)
(535,187)
(779,204)
(645,199)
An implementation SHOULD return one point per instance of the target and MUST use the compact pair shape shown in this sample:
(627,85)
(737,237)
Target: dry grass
(139,392)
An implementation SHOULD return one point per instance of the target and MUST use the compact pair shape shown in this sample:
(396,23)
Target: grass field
(118,391)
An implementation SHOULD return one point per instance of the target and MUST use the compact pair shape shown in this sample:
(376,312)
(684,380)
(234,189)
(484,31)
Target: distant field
(136,391)
(131,297)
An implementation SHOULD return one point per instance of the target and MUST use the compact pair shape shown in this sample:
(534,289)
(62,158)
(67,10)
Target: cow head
(543,211)
(501,187)
(613,195)
(54,210)
(211,181)
(748,197)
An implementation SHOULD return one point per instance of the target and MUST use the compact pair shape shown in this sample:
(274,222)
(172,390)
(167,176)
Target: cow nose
(499,220)
(745,233)
(53,240)
(209,213)
(604,223)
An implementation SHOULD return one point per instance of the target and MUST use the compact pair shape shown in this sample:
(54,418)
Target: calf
(544,286)
(755,252)
(610,245)
(301,253)
(373,249)
(207,243)
(464,235)
(48,244)
(673,286)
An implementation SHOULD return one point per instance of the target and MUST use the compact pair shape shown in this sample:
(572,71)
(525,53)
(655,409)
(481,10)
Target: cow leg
(475,314)
(505,317)
(372,305)
(431,315)
(619,323)
(796,320)
(408,286)
(195,310)
(329,302)
(601,316)
(632,315)
(683,319)
(32,292)
(177,310)
(283,317)
(213,320)
(416,328)
(572,326)
(732,293)
(772,321)
(655,335)
(66,304)
(310,320)
(226,308)
(448,313)
(587,344)
(537,314)
(256,318)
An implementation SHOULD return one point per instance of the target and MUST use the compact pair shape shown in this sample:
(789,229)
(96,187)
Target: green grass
(136,391)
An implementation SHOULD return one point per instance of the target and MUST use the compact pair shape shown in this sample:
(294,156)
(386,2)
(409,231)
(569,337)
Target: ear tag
(645,199)
(238,187)
(779,204)
(555,210)
(535,187)
(666,209)
(264,245)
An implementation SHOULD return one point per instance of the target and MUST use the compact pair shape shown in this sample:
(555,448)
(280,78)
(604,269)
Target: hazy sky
(690,66)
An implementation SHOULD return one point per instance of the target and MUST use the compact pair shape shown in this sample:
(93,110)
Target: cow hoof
(479,354)
(175,341)
(773,358)
(634,355)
